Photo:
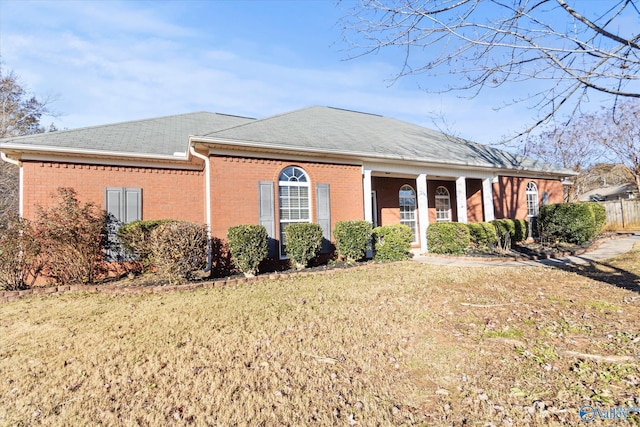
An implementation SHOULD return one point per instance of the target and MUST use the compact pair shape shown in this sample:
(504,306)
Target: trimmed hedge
(521,230)
(600,215)
(510,231)
(248,245)
(573,223)
(448,237)
(506,231)
(483,234)
(352,239)
(392,242)
(135,238)
(303,242)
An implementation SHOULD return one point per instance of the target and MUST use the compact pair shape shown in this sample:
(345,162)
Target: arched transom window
(443,205)
(532,199)
(408,209)
(294,200)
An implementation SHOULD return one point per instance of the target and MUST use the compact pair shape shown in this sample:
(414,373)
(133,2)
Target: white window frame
(292,177)
(408,217)
(533,203)
(443,204)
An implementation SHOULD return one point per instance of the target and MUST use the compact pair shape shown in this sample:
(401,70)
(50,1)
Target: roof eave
(41,149)
(368,157)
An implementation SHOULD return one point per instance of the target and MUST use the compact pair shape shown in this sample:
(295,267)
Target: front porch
(418,199)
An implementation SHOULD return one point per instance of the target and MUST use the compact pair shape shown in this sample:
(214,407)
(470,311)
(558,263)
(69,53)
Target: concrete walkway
(607,249)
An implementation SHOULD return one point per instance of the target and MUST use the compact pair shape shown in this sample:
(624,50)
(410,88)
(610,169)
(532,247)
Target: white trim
(85,152)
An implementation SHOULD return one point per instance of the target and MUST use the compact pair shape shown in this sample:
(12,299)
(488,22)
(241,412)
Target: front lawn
(402,344)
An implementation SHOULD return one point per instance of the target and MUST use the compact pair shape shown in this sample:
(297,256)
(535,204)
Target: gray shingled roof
(160,136)
(332,130)
(315,130)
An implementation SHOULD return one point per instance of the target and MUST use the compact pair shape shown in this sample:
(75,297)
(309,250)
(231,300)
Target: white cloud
(116,61)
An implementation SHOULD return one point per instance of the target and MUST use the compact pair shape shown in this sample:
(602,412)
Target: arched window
(443,205)
(408,209)
(532,199)
(294,200)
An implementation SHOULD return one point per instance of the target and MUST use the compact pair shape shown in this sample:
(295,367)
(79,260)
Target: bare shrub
(179,249)
(72,237)
(20,260)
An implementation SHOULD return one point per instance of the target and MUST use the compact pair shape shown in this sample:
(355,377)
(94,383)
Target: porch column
(461,198)
(423,210)
(487,199)
(366,194)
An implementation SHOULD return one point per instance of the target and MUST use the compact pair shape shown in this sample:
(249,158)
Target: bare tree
(570,145)
(20,114)
(619,134)
(493,42)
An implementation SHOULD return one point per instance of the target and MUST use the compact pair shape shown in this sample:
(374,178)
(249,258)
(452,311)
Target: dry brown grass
(404,344)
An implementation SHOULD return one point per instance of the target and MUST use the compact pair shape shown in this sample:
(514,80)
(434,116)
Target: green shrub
(179,249)
(303,241)
(506,232)
(573,223)
(135,238)
(248,246)
(448,237)
(599,214)
(20,260)
(483,234)
(521,233)
(352,239)
(392,242)
(72,238)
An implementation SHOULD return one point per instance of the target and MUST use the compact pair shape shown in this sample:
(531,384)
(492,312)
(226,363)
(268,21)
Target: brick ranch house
(317,164)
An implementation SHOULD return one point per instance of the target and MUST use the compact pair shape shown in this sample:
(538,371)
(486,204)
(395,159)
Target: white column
(366,194)
(423,210)
(487,199)
(461,198)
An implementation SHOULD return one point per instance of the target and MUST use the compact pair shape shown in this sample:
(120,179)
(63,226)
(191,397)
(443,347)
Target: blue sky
(111,61)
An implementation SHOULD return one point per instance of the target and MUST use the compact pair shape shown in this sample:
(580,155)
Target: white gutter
(207,198)
(18,163)
(207,184)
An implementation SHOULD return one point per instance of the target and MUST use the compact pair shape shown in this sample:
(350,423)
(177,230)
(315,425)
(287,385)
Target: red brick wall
(510,195)
(475,211)
(165,193)
(234,189)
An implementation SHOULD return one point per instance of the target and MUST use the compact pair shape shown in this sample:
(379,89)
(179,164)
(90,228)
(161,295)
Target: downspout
(18,163)
(207,198)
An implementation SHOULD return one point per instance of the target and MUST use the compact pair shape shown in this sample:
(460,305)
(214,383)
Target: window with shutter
(123,205)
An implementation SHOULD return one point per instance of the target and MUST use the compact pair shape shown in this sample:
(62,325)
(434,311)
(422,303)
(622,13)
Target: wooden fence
(623,213)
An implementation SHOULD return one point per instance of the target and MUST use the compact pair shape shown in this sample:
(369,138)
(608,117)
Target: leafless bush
(72,236)
(179,250)
(20,260)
